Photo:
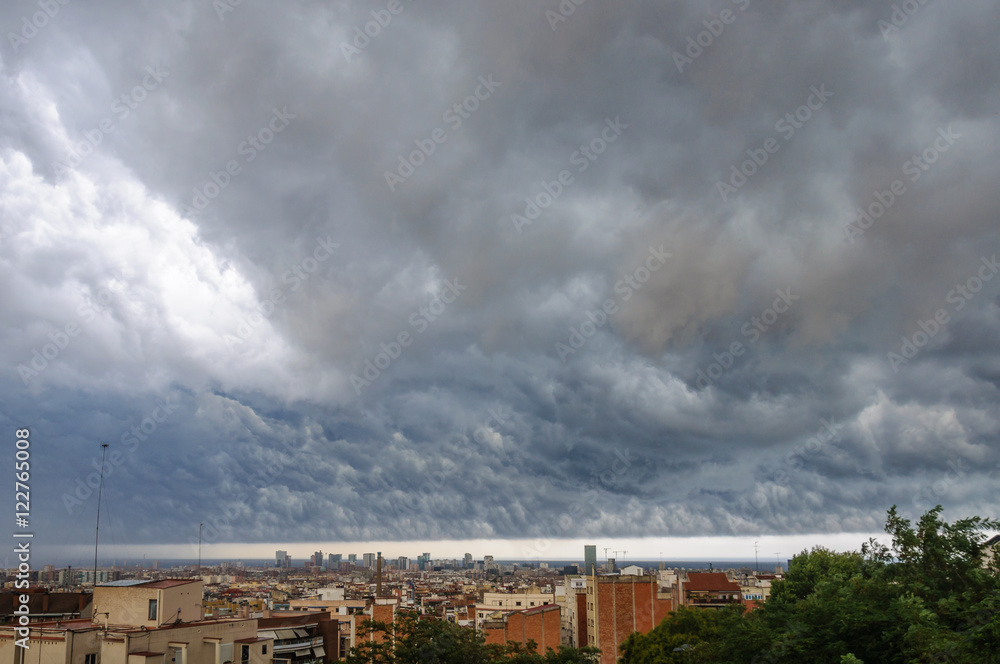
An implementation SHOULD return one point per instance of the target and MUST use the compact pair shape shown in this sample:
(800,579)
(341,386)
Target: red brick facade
(540,624)
(617,606)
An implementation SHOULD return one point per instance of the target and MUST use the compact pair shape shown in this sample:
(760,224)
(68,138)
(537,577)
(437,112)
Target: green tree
(927,597)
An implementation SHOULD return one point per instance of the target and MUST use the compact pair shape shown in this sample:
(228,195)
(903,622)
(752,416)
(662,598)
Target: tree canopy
(931,596)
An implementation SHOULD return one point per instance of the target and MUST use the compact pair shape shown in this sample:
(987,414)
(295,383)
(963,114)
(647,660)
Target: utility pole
(97,530)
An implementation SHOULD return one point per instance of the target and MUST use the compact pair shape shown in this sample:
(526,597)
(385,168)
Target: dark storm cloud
(494,274)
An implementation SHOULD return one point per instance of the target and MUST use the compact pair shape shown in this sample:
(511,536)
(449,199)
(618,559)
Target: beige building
(507,602)
(570,612)
(141,622)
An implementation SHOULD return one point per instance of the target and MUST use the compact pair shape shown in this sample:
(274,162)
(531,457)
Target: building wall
(542,627)
(53,646)
(40,648)
(199,651)
(581,620)
(619,606)
(130,605)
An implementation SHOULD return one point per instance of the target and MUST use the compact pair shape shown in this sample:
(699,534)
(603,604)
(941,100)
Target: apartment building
(141,622)
(540,624)
(707,590)
(618,606)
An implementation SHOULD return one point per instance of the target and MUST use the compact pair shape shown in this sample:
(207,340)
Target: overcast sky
(499,270)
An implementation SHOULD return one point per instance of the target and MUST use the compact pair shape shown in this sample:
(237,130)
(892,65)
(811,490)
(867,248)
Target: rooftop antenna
(97,529)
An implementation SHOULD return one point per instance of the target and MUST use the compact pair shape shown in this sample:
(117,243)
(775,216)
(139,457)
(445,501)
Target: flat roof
(130,583)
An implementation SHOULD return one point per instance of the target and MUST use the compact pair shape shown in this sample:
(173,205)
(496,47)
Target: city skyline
(694,549)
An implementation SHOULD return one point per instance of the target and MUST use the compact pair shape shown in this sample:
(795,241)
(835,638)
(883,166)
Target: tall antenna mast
(199,548)
(756,559)
(100,490)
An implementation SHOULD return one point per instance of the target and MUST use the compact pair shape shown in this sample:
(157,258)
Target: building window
(90,659)
(263,649)
(517,603)
(245,654)
(152,610)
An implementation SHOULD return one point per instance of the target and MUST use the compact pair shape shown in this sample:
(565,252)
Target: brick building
(540,624)
(618,606)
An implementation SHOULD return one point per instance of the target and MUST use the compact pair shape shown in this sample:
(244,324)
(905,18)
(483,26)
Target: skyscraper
(468,560)
(589,558)
(368,560)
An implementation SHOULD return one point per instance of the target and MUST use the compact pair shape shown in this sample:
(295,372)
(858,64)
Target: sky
(498,272)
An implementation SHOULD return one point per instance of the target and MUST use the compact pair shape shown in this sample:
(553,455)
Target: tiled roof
(710,581)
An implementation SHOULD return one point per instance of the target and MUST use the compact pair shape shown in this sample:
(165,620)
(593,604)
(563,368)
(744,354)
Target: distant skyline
(704,548)
(482,271)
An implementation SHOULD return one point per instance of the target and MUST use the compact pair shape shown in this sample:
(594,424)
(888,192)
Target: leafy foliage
(929,597)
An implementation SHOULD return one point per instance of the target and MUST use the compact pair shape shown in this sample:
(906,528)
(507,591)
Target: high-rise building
(368,560)
(468,560)
(488,562)
(333,561)
(282,559)
(352,558)
(403,563)
(589,559)
(317,559)
(422,560)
